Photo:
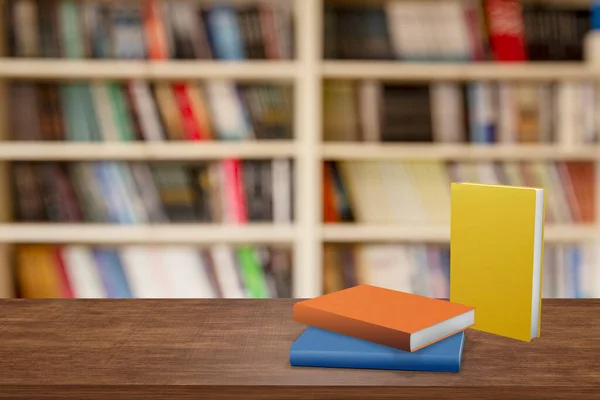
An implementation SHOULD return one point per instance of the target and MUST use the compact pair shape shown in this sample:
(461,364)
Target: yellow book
(496,256)
(37,273)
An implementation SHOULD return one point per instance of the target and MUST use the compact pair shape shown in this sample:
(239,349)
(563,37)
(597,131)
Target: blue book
(110,195)
(224,33)
(574,269)
(595,11)
(481,122)
(320,348)
(112,274)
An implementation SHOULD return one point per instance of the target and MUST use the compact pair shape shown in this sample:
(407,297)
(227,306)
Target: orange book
(395,319)
(156,37)
(582,176)
(329,210)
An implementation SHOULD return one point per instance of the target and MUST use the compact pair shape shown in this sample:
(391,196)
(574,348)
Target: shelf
(244,70)
(396,151)
(286,70)
(148,151)
(407,71)
(145,234)
(119,69)
(343,233)
(77,151)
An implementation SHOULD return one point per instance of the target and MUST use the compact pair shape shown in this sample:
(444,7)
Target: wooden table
(221,349)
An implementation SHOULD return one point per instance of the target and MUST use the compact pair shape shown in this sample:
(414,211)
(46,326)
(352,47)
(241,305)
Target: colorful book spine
(506,29)
(111,273)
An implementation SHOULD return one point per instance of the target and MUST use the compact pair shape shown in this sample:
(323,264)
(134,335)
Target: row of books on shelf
(74,271)
(390,192)
(138,110)
(452,112)
(569,271)
(149,29)
(175,271)
(501,30)
(228,191)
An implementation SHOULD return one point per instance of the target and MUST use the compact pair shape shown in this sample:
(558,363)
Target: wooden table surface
(217,349)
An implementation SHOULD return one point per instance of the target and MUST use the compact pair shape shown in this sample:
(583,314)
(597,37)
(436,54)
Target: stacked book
(149,29)
(144,111)
(171,271)
(480,112)
(497,247)
(376,328)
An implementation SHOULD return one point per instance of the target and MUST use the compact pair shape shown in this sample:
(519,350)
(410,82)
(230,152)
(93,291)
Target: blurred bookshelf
(259,98)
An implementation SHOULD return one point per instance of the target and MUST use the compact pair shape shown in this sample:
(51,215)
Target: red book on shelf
(234,191)
(190,124)
(330,213)
(506,29)
(65,285)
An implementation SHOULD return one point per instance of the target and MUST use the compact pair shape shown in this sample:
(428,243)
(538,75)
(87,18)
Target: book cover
(120,112)
(252,273)
(224,33)
(320,348)
(228,274)
(496,256)
(373,313)
(595,15)
(140,267)
(82,272)
(154,28)
(189,121)
(111,273)
(146,110)
(200,112)
(187,273)
(506,29)
(37,272)
(63,276)
(70,29)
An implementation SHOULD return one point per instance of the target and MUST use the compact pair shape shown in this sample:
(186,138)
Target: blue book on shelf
(574,269)
(320,348)
(112,274)
(224,33)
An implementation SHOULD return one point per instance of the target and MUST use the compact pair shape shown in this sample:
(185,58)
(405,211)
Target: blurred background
(285,148)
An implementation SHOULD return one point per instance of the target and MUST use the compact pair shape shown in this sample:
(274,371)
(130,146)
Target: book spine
(252,273)
(505,23)
(190,125)
(155,31)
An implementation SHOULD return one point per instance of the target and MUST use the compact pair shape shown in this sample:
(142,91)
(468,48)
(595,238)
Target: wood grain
(219,349)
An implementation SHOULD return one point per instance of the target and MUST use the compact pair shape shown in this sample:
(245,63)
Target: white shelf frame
(459,152)
(393,70)
(348,233)
(190,234)
(73,69)
(148,151)
(306,72)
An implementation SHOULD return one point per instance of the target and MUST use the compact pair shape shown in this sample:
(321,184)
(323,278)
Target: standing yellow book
(496,256)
